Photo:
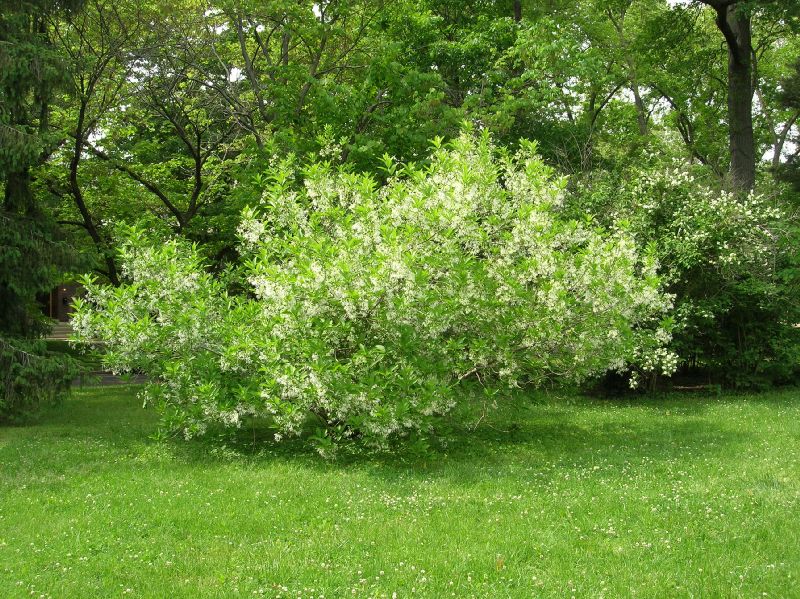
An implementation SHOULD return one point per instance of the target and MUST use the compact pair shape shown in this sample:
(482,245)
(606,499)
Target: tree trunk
(641,110)
(80,202)
(633,76)
(740,103)
(517,10)
(18,197)
(734,23)
(780,139)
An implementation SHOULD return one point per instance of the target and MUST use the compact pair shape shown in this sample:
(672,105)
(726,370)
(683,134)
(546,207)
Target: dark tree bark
(80,202)
(517,10)
(735,27)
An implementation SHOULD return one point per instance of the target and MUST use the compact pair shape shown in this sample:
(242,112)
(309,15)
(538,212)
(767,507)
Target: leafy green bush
(368,306)
(730,261)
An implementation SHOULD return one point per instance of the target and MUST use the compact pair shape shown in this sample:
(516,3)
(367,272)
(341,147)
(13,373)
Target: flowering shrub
(368,305)
(727,259)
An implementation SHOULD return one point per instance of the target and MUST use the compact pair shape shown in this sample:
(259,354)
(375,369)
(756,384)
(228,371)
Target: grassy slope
(680,497)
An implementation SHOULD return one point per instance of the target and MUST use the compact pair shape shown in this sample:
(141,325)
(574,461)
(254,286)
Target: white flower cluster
(702,225)
(719,252)
(372,305)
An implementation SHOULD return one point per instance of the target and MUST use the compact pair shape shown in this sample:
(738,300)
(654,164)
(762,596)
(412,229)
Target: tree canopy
(661,115)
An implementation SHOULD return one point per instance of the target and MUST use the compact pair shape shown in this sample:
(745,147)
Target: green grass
(678,497)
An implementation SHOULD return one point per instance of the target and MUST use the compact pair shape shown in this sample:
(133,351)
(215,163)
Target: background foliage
(167,114)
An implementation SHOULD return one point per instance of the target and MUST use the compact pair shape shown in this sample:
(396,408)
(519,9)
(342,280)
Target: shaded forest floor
(562,496)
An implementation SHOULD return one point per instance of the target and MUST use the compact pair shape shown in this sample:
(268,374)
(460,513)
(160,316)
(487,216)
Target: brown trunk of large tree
(734,23)
(740,103)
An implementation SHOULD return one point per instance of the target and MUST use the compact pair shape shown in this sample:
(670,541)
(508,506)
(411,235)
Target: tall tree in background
(791,98)
(30,72)
(30,254)
(733,21)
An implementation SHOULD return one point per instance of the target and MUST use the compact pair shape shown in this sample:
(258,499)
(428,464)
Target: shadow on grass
(538,429)
(530,427)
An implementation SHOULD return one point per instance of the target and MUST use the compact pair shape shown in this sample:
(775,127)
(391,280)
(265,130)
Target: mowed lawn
(564,496)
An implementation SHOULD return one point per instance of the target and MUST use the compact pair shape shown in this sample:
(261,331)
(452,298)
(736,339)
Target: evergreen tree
(31,256)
